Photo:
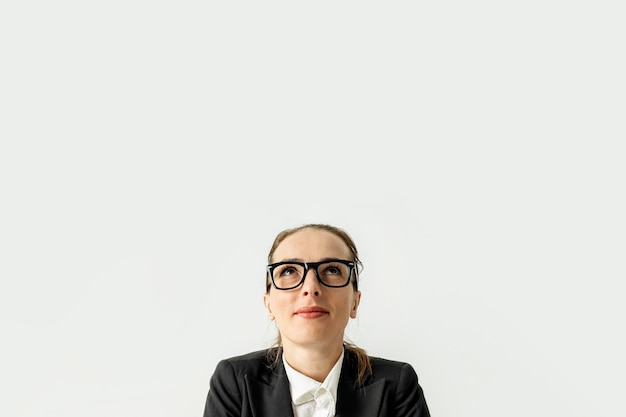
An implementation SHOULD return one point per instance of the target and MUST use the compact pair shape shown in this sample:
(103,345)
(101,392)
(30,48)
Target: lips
(311,312)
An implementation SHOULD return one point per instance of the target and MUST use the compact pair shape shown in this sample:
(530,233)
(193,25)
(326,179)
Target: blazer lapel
(355,401)
(270,397)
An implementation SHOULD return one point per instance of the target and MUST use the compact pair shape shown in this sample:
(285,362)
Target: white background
(150,151)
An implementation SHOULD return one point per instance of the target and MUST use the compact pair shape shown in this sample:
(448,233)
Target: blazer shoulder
(382,363)
(392,369)
(403,381)
(256,363)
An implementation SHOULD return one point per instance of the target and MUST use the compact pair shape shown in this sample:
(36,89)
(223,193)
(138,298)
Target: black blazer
(245,386)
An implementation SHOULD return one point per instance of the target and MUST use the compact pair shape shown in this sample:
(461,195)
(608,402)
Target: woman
(312,292)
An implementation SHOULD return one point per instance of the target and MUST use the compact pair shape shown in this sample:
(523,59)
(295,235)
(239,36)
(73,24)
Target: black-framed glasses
(334,273)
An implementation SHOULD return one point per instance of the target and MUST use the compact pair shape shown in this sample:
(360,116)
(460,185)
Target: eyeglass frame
(314,265)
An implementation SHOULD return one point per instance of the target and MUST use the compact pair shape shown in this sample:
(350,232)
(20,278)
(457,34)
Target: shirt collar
(303,388)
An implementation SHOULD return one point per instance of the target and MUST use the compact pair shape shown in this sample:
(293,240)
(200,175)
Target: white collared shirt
(310,398)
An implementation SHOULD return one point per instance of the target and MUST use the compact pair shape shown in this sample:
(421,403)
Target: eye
(334,269)
(288,270)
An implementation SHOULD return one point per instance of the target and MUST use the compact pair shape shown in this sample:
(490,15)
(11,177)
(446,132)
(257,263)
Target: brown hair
(274,353)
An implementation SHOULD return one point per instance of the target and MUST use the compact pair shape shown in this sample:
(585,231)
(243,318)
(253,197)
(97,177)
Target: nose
(311,286)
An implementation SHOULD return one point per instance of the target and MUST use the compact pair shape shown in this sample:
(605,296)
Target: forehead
(312,245)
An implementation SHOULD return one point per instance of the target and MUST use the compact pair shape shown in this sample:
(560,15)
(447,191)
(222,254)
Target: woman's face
(297,323)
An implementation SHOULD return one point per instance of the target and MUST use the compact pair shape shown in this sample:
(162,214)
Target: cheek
(347,303)
(278,304)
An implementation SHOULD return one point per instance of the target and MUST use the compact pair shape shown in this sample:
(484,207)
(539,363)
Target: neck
(313,362)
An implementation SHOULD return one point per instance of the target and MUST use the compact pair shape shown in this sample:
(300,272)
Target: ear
(266,302)
(355,305)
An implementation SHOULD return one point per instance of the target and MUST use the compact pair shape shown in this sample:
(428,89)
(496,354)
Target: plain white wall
(150,151)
